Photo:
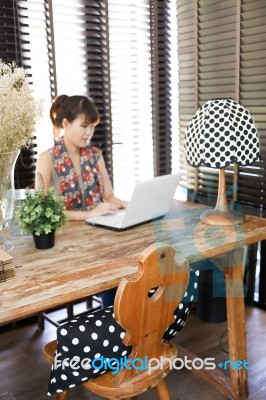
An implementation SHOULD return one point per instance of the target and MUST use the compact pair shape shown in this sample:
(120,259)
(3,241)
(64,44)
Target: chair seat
(110,388)
(105,385)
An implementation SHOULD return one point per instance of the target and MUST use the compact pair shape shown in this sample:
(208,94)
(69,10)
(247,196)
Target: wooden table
(87,260)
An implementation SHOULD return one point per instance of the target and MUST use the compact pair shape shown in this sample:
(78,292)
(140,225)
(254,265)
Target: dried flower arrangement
(19,111)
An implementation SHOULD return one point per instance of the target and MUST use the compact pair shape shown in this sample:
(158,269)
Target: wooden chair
(145,320)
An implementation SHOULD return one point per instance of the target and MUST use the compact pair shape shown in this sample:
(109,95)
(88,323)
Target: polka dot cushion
(221,132)
(92,344)
(80,341)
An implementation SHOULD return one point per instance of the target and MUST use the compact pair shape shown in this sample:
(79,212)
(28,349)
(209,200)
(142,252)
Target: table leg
(234,386)
(236,325)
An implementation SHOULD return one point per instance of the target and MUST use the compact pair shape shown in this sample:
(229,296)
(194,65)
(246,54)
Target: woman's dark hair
(70,107)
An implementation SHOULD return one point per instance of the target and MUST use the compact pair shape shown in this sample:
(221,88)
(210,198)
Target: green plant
(42,212)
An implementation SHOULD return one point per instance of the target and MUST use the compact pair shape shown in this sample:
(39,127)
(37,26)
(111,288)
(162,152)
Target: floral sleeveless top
(82,192)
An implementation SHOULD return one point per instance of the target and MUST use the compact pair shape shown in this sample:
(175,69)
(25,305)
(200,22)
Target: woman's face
(79,131)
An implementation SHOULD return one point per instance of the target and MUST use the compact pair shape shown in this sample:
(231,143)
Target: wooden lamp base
(221,214)
(221,217)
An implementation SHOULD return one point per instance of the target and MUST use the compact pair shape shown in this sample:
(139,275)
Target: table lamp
(221,132)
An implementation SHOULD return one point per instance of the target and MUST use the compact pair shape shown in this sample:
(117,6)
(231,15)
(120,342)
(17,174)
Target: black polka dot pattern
(80,340)
(221,132)
(98,335)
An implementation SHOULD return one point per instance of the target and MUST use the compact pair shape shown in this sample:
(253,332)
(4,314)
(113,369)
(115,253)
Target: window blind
(252,90)
(187,15)
(222,53)
(94,17)
(217,73)
(131,104)
(9,32)
(213,45)
(161,85)
(10,51)
(119,53)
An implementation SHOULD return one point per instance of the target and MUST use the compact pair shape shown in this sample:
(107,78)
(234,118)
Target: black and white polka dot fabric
(221,132)
(92,344)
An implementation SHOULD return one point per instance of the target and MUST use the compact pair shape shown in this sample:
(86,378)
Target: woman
(75,168)
(72,166)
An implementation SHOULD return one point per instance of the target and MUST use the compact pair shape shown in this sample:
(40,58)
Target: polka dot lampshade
(221,132)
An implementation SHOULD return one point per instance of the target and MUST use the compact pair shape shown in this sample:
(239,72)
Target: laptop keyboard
(110,219)
(116,218)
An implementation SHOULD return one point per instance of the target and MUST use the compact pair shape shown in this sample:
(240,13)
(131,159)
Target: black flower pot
(44,240)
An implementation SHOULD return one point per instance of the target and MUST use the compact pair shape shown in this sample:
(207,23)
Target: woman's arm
(111,203)
(44,171)
(43,178)
(107,186)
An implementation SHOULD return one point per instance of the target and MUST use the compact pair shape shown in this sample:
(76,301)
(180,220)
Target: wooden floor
(24,374)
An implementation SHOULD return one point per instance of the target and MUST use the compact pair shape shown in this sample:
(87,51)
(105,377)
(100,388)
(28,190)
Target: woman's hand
(101,209)
(105,208)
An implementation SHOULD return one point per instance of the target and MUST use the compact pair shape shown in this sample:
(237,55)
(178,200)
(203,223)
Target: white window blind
(120,54)
(54,42)
(130,74)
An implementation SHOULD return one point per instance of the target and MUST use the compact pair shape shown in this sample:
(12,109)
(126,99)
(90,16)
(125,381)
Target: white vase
(7,193)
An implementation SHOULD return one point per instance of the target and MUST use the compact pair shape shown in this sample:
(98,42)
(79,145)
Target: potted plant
(42,214)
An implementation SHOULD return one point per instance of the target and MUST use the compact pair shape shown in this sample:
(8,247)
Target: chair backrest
(145,318)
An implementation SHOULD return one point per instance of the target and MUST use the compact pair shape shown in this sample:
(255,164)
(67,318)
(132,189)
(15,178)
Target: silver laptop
(150,200)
